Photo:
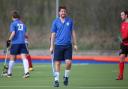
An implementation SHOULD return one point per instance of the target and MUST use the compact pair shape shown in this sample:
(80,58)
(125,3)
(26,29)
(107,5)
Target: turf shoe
(26,75)
(9,75)
(5,74)
(120,77)
(56,84)
(65,81)
(31,69)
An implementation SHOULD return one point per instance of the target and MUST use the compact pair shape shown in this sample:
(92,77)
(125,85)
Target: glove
(8,43)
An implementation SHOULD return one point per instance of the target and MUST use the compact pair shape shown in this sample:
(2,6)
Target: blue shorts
(62,52)
(17,49)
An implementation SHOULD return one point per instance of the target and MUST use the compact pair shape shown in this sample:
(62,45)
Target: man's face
(123,16)
(62,13)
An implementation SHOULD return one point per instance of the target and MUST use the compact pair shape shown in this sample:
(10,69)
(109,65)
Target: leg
(68,61)
(11,64)
(29,57)
(58,55)
(67,71)
(13,52)
(121,67)
(67,67)
(57,69)
(29,62)
(25,64)
(57,73)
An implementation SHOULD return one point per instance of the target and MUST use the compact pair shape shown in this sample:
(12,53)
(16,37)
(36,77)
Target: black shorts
(17,49)
(62,52)
(123,49)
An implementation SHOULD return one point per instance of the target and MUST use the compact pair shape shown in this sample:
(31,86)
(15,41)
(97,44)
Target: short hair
(126,12)
(15,14)
(62,7)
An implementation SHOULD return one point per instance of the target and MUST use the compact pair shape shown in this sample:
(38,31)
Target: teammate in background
(124,43)
(17,42)
(62,37)
(28,55)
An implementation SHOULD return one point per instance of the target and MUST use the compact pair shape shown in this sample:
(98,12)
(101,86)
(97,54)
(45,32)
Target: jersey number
(20,27)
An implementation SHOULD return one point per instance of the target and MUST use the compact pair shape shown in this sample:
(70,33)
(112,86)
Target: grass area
(92,76)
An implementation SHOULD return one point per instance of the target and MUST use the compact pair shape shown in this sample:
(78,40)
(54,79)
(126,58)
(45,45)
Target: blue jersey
(63,31)
(20,30)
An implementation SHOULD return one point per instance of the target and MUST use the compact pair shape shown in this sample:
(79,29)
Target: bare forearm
(74,38)
(52,39)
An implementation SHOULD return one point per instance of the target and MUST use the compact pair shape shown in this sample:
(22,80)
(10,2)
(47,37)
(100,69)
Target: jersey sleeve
(54,28)
(71,23)
(12,27)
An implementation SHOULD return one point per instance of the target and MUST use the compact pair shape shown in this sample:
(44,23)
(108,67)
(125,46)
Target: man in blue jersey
(62,38)
(17,43)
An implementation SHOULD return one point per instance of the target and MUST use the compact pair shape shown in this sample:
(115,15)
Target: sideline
(95,87)
(89,58)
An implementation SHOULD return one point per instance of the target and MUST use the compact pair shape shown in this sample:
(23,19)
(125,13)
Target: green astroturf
(91,76)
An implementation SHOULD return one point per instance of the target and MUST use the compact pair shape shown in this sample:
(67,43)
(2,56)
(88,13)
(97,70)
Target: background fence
(97,22)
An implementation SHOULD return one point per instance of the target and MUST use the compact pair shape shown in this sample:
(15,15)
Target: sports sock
(57,76)
(10,67)
(66,73)
(29,61)
(121,68)
(25,64)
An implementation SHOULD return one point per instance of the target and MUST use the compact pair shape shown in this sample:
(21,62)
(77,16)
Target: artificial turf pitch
(86,76)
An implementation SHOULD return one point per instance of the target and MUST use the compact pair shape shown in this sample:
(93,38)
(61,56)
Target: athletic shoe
(65,81)
(9,75)
(120,77)
(56,84)
(6,75)
(26,75)
(31,69)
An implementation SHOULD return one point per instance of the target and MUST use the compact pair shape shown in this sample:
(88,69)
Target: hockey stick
(119,38)
(52,61)
(5,67)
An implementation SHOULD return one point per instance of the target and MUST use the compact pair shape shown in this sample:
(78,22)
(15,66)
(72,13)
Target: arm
(12,35)
(52,39)
(26,35)
(26,39)
(10,38)
(74,40)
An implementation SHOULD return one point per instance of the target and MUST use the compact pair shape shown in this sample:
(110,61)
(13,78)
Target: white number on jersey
(20,27)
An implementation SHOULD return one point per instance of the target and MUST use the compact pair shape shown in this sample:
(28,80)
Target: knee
(57,62)
(68,62)
(122,57)
(12,57)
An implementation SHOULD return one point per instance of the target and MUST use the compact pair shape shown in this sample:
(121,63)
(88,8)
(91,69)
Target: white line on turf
(114,87)
(104,87)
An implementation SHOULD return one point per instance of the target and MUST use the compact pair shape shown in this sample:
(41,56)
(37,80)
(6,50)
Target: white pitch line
(69,86)
(24,86)
(104,87)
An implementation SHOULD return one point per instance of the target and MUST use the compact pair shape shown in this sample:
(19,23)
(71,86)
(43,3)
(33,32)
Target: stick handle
(52,60)
(6,56)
